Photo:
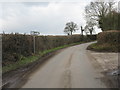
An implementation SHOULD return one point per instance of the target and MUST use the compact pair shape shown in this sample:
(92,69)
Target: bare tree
(96,11)
(70,28)
(89,28)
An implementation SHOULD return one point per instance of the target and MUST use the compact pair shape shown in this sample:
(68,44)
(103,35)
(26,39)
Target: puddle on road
(114,73)
(113,78)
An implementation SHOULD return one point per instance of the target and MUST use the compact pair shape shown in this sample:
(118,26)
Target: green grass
(57,48)
(52,50)
(103,47)
(22,62)
(30,59)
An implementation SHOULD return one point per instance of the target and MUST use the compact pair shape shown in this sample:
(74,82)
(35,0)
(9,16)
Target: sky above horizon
(48,18)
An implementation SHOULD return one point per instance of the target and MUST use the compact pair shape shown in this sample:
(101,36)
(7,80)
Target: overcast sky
(49,18)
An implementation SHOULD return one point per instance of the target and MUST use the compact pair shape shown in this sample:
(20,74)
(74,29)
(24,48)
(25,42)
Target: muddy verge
(108,65)
(18,77)
(112,78)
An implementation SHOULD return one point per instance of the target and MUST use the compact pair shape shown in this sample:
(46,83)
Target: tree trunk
(71,32)
(90,32)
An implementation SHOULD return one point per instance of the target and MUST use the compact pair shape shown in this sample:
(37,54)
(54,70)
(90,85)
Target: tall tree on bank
(97,11)
(111,21)
(70,28)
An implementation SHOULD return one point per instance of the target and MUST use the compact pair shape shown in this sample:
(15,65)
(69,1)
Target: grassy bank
(30,59)
(103,47)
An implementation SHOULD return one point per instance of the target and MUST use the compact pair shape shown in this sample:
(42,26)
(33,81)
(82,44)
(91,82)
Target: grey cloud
(51,19)
(36,3)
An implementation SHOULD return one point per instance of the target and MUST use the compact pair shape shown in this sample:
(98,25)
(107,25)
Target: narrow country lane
(71,68)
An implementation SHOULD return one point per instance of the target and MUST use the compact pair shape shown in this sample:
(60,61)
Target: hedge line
(110,37)
(17,45)
(108,41)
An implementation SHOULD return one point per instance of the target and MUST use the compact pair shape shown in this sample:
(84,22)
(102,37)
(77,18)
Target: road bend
(70,68)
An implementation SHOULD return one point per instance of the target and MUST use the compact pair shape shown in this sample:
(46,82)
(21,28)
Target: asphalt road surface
(70,68)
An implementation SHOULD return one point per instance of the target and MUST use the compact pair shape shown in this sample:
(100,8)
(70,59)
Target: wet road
(70,68)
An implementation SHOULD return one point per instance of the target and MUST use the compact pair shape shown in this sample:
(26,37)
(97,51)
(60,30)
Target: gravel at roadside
(107,64)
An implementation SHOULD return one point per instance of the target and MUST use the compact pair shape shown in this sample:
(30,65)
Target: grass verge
(30,59)
(103,47)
